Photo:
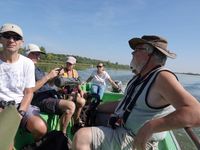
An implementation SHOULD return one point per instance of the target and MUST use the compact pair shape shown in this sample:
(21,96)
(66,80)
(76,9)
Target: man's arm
(184,103)
(28,95)
(52,74)
(187,113)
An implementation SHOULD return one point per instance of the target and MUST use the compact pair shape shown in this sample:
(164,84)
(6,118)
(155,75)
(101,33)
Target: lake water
(190,83)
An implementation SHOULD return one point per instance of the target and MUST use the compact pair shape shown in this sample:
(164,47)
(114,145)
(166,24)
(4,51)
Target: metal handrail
(193,137)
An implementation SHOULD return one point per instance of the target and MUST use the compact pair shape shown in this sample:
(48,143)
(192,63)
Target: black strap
(130,91)
(137,82)
(4,104)
(130,106)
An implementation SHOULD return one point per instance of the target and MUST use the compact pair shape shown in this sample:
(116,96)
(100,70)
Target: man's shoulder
(25,59)
(166,78)
(39,70)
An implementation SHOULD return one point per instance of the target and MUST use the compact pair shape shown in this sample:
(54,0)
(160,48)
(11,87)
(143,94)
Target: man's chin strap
(150,55)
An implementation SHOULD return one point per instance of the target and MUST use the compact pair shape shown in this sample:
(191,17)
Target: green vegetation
(51,60)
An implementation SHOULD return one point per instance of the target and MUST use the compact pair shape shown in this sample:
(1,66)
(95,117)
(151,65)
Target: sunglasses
(36,54)
(69,63)
(8,36)
(99,66)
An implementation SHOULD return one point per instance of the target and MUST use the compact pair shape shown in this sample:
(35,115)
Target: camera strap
(129,105)
(4,104)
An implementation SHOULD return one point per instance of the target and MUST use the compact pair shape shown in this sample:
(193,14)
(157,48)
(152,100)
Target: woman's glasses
(99,66)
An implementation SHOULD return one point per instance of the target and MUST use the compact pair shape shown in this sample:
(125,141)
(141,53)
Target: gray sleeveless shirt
(142,112)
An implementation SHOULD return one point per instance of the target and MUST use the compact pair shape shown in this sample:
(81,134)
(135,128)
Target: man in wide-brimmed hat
(158,49)
(154,102)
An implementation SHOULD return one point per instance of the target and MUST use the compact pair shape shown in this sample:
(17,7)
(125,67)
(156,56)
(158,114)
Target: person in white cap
(45,97)
(70,72)
(154,102)
(17,80)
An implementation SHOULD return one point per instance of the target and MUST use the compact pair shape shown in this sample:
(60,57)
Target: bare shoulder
(172,91)
(166,76)
(167,80)
(157,96)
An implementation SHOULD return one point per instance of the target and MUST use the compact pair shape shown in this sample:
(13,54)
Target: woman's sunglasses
(99,66)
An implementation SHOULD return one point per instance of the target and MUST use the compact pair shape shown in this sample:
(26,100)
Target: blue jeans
(98,89)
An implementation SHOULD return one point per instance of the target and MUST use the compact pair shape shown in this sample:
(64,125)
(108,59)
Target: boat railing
(193,137)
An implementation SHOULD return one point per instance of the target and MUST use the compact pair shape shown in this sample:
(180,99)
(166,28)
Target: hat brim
(70,62)
(38,52)
(135,41)
(27,53)
(14,31)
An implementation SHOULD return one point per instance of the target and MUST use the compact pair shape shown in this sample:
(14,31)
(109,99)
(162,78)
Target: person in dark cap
(154,102)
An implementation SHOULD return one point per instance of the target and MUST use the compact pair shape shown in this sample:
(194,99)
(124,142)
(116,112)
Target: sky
(100,29)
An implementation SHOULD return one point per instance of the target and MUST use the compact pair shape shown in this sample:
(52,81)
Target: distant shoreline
(194,74)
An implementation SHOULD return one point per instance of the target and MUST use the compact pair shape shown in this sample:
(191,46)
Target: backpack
(53,140)
(90,109)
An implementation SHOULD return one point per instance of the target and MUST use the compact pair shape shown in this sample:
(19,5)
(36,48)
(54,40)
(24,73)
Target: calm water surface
(190,83)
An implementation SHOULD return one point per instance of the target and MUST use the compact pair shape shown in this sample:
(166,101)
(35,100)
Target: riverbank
(47,66)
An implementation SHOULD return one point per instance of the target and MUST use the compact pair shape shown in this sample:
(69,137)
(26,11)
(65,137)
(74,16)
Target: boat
(22,138)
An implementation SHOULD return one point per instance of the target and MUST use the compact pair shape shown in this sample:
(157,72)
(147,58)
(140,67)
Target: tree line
(52,59)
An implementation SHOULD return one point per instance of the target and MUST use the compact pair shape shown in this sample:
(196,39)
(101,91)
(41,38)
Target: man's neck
(9,57)
(148,69)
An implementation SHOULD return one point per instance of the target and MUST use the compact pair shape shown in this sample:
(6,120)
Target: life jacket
(74,76)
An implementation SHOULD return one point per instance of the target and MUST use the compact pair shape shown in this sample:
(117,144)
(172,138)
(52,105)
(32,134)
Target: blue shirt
(39,74)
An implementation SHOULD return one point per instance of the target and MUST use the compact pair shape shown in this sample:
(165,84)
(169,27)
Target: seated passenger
(17,80)
(98,79)
(70,72)
(154,102)
(45,97)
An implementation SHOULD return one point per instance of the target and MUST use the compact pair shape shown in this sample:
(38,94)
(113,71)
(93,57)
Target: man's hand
(21,113)
(53,73)
(142,137)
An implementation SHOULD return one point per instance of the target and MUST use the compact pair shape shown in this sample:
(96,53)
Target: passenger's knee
(37,126)
(83,137)
(71,108)
(67,106)
(80,102)
(42,127)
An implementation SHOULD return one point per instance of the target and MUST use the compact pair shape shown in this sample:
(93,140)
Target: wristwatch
(22,113)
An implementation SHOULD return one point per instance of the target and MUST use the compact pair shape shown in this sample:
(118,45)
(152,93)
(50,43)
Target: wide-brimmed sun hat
(11,28)
(31,48)
(156,41)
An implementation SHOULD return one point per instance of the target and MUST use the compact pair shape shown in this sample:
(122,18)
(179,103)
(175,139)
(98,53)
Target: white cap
(32,48)
(11,28)
(71,60)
